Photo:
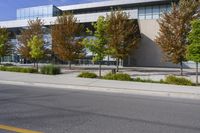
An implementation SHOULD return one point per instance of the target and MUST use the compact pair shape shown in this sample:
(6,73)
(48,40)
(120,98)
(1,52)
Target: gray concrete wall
(148,53)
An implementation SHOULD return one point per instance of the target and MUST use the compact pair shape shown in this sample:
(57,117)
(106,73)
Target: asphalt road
(69,111)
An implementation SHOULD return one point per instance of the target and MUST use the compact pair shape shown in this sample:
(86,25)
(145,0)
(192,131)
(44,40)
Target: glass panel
(18,14)
(148,10)
(40,12)
(149,16)
(168,8)
(163,9)
(31,13)
(45,11)
(149,13)
(156,16)
(34,12)
(156,12)
(142,17)
(141,11)
(26,13)
(56,11)
(22,13)
(50,11)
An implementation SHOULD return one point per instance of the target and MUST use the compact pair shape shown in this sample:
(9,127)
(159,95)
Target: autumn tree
(66,38)
(174,28)
(34,28)
(36,46)
(193,50)
(5,47)
(99,44)
(123,34)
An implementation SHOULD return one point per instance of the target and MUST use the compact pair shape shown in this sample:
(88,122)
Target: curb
(143,92)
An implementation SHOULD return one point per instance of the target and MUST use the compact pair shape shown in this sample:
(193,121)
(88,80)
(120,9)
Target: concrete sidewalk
(146,73)
(67,81)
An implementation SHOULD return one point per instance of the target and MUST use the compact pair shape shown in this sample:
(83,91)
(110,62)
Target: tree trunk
(70,65)
(0,60)
(117,64)
(181,67)
(34,62)
(99,69)
(37,65)
(197,81)
(53,59)
(108,60)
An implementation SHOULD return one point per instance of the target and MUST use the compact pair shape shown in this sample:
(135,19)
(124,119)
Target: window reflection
(141,13)
(146,12)
(37,12)
(156,12)
(153,12)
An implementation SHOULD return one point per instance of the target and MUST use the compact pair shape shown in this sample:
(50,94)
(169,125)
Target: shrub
(8,64)
(138,79)
(2,68)
(50,70)
(87,75)
(18,69)
(178,81)
(118,76)
(162,81)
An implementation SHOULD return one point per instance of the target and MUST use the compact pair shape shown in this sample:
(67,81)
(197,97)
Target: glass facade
(144,12)
(152,12)
(37,12)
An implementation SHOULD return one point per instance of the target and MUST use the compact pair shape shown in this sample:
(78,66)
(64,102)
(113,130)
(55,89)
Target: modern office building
(146,12)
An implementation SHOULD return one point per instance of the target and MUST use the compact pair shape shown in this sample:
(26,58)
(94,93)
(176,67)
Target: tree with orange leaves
(174,29)
(66,39)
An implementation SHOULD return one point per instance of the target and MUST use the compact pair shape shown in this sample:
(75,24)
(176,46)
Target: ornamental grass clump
(87,75)
(50,70)
(171,79)
(18,69)
(118,76)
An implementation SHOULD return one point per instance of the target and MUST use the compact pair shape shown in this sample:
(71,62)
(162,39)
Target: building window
(141,13)
(149,13)
(31,14)
(26,13)
(22,14)
(35,12)
(169,8)
(18,14)
(163,9)
(156,12)
(153,12)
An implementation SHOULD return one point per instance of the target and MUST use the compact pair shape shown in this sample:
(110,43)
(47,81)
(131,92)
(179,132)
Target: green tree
(36,45)
(98,45)
(5,47)
(66,39)
(123,34)
(193,50)
(174,28)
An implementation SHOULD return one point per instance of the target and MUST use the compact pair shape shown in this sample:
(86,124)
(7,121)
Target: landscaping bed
(48,69)
(18,69)
(170,79)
